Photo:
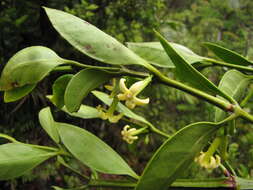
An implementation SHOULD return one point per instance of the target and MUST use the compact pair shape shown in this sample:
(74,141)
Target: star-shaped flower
(207,161)
(129,95)
(129,134)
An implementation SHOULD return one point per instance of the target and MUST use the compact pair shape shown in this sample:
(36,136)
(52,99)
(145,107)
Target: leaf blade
(81,84)
(175,155)
(80,34)
(154,53)
(48,124)
(28,66)
(59,88)
(227,55)
(183,69)
(84,112)
(18,93)
(17,158)
(101,157)
(234,83)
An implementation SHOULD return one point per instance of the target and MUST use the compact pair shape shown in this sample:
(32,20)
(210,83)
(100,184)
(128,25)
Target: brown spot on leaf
(115,49)
(14,84)
(88,47)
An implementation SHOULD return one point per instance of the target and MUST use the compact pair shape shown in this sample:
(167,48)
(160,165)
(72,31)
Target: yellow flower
(129,95)
(128,135)
(112,86)
(207,161)
(104,114)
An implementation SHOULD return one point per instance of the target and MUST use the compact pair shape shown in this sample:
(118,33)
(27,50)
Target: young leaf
(84,112)
(17,93)
(154,53)
(187,72)
(233,83)
(59,88)
(90,40)
(227,55)
(92,151)
(47,122)
(28,66)
(81,84)
(18,158)
(175,155)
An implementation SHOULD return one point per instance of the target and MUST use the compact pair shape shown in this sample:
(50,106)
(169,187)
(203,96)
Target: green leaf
(58,188)
(84,112)
(75,188)
(233,83)
(90,40)
(92,151)
(187,72)
(120,107)
(18,158)
(59,88)
(244,183)
(17,93)
(126,111)
(65,164)
(28,66)
(227,55)
(48,124)
(175,156)
(154,53)
(81,84)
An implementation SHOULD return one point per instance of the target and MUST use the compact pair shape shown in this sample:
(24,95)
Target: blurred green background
(23,23)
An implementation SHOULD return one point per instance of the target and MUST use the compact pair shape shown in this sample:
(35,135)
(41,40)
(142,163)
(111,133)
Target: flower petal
(130,104)
(122,85)
(137,87)
(121,96)
(141,102)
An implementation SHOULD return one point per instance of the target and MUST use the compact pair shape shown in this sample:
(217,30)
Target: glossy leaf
(59,88)
(175,156)
(18,158)
(227,55)
(18,93)
(187,72)
(28,66)
(92,151)
(90,40)
(120,107)
(154,53)
(48,124)
(233,83)
(84,112)
(81,84)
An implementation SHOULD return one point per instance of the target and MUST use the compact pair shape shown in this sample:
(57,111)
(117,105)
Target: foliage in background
(228,23)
